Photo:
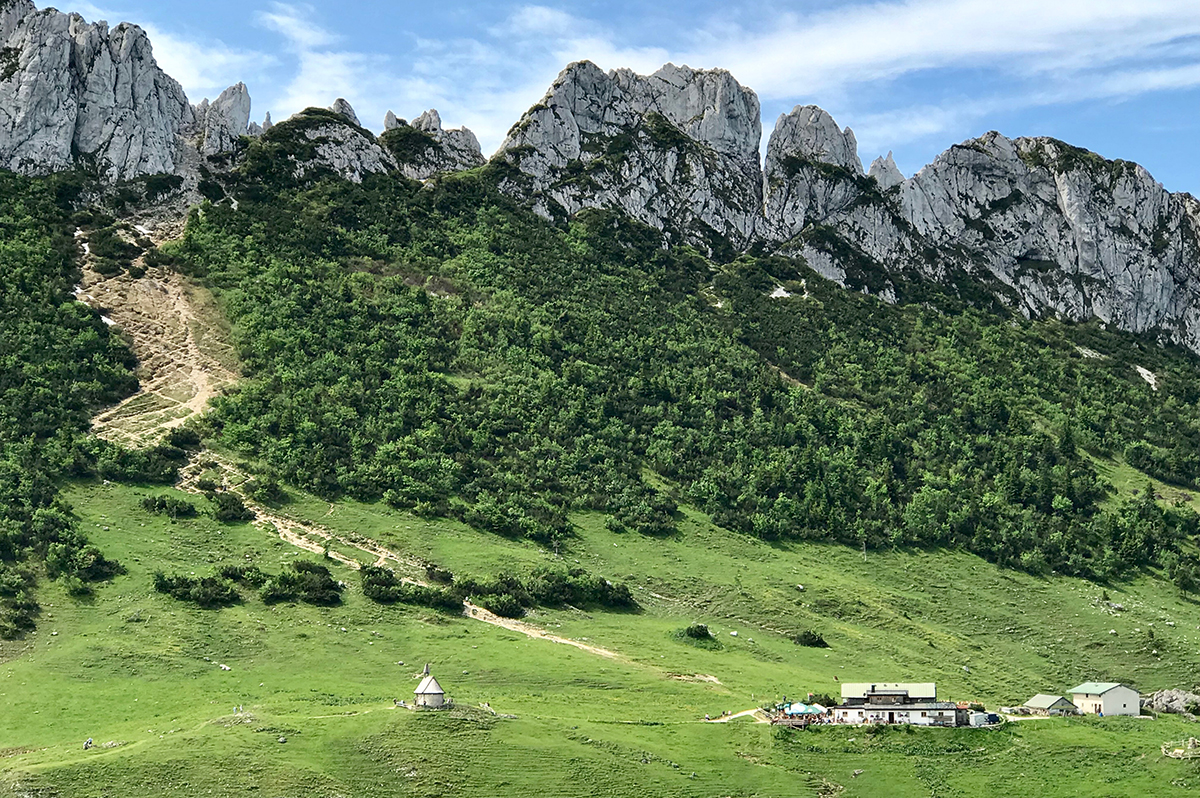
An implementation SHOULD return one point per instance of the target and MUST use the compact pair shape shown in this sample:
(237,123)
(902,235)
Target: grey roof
(429,686)
(1043,701)
(1097,688)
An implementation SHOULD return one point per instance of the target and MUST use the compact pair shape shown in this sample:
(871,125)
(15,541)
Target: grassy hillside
(135,667)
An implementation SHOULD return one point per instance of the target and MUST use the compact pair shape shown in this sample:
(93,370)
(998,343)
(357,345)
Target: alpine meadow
(624,461)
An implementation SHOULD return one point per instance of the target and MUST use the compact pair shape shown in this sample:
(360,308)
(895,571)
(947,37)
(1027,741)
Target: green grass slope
(135,667)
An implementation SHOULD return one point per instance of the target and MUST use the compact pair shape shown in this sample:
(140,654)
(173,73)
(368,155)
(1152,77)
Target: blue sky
(1121,77)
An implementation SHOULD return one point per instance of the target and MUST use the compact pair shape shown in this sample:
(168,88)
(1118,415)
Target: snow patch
(1149,377)
(143,230)
(1088,353)
(108,321)
(780,293)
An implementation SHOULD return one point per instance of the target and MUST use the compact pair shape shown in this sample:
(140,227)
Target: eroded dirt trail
(184,358)
(529,630)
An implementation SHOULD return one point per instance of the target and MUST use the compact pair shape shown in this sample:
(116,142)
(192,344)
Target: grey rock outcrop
(69,88)
(818,204)
(340,106)
(677,150)
(424,149)
(885,172)
(224,121)
(1176,702)
(346,150)
(1047,228)
(390,122)
(1068,232)
(810,133)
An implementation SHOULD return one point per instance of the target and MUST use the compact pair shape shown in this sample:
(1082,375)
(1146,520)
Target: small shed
(430,694)
(1042,704)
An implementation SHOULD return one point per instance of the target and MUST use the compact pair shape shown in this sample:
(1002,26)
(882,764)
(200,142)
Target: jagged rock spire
(885,172)
(677,150)
(70,88)
(340,106)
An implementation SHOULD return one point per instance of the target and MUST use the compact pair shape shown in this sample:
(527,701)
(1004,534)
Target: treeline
(446,350)
(506,595)
(301,581)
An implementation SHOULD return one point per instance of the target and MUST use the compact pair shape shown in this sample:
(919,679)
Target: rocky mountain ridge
(1036,224)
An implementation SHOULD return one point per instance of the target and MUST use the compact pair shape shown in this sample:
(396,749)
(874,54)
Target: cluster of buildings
(917,704)
(1089,698)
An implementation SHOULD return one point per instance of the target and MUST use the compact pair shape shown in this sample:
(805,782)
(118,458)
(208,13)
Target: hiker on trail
(88,744)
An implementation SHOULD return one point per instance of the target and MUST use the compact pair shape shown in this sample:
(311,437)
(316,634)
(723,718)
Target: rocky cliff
(424,149)
(71,90)
(1034,223)
(1042,226)
(677,150)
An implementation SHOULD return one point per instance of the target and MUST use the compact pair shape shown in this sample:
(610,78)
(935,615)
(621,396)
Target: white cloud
(867,43)
(295,23)
(205,68)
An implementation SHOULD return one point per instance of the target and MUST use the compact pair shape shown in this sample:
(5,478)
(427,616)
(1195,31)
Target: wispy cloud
(203,65)
(206,68)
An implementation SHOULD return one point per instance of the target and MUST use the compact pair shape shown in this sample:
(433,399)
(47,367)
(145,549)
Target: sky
(1119,77)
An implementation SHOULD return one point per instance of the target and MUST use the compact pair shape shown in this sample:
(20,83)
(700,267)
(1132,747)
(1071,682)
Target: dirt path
(184,359)
(529,630)
(756,712)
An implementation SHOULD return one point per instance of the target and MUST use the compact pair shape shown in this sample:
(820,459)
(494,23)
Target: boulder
(1176,702)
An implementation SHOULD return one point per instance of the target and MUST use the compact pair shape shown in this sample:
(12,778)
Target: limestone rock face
(347,150)
(1178,702)
(677,150)
(885,172)
(71,88)
(224,121)
(340,106)
(424,149)
(810,133)
(1046,227)
(1068,232)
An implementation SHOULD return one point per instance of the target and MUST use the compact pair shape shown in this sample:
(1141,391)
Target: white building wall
(932,717)
(1122,701)
(1117,701)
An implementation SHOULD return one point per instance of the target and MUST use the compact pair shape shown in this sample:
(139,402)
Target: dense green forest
(443,349)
